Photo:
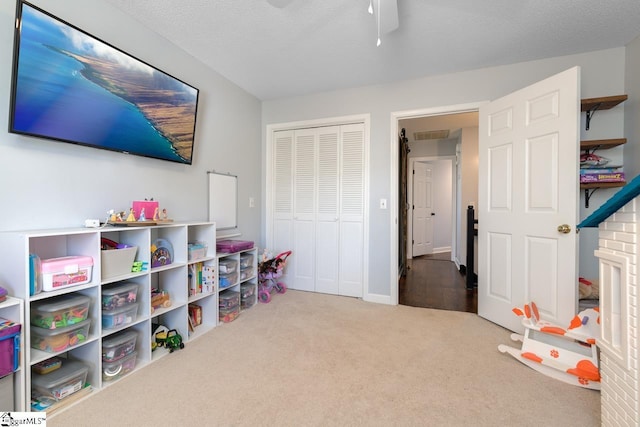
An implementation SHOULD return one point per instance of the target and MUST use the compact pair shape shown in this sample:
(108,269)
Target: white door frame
(394,196)
(329,121)
(413,160)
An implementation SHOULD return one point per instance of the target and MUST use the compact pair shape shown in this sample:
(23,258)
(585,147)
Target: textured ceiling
(320,45)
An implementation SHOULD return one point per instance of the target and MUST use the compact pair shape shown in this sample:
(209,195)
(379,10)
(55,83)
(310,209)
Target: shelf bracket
(590,113)
(587,196)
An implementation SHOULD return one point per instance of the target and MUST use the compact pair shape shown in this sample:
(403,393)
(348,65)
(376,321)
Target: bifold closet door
(319,207)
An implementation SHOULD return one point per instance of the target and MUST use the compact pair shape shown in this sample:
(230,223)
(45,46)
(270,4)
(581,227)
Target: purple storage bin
(230,246)
(9,346)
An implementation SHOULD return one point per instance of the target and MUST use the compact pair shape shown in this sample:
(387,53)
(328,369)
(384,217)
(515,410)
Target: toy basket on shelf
(269,271)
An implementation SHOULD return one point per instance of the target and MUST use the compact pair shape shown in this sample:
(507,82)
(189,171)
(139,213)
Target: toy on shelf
(566,354)
(161,253)
(159,299)
(139,266)
(169,339)
(268,273)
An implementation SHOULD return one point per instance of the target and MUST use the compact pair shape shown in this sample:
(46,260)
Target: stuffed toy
(588,289)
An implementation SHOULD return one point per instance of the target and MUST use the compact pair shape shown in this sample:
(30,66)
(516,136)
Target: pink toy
(268,273)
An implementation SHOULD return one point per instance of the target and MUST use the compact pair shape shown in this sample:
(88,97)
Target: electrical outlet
(252,202)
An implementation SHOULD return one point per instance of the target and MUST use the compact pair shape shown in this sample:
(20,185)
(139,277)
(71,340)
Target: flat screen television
(72,87)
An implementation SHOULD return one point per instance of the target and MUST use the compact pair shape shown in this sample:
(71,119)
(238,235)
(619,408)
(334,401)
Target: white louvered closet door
(304,191)
(318,208)
(282,195)
(352,191)
(327,226)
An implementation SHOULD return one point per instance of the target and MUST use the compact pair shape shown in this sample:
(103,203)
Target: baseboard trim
(442,249)
(377,298)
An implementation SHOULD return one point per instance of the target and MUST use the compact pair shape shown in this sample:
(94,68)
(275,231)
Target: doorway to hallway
(433,281)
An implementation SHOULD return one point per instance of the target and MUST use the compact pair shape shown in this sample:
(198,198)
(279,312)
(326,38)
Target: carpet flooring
(309,359)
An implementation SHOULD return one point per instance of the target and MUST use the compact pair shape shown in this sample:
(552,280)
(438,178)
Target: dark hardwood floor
(433,281)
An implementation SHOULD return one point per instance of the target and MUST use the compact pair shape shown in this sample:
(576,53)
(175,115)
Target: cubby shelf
(15,248)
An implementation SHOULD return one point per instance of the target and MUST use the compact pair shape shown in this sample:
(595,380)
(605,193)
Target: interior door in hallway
(528,186)
(422,209)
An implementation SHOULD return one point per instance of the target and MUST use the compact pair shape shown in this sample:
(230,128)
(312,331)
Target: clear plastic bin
(56,340)
(226,280)
(229,299)
(120,317)
(114,370)
(246,273)
(197,250)
(246,260)
(227,266)
(229,315)
(59,312)
(119,345)
(119,295)
(62,382)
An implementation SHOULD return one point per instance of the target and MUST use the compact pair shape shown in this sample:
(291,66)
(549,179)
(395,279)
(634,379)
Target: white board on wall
(223,200)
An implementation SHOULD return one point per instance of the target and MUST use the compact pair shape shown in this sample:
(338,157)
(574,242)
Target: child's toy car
(159,299)
(169,339)
(173,341)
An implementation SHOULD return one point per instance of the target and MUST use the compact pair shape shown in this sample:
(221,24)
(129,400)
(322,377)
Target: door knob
(564,228)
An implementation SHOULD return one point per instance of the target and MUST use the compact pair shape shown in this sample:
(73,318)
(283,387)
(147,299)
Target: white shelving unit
(15,248)
(244,277)
(13,309)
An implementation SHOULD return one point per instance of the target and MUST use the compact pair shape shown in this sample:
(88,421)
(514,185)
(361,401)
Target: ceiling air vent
(431,134)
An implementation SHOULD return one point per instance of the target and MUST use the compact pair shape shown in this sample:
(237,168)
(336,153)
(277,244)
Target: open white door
(528,187)
(422,223)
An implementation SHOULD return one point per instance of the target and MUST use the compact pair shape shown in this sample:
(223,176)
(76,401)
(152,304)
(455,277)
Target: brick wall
(620,235)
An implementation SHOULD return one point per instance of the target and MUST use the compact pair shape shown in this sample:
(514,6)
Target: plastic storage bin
(226,280)
(56,340)
(119,345)
(229,299)
(119,295)
(59,312)
(119,317)
(9,346)
(35,274)
(61,382)
(197,250)
(230,246)
(116,369)
(58,273)
(247,290)
(117,262)
(246,260)
(246,273)
(229,315)
(248,302)
(227,266)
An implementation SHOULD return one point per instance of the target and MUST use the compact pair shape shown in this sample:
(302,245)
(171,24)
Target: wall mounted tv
(72,87)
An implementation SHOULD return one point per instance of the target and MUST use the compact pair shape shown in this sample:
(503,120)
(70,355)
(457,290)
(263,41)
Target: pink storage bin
(230,246)
(58,273)
(9,346)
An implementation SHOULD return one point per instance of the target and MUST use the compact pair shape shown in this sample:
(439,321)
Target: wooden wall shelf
(602,143)
(591,188)
(590,105)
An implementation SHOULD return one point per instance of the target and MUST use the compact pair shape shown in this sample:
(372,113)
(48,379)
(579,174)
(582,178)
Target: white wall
(602,75)
(44,184)
(632,110)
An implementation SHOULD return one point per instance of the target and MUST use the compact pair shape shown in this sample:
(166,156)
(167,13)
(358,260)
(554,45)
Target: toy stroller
(268,273)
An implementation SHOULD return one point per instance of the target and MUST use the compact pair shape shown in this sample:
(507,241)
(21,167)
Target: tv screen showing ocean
(72,87)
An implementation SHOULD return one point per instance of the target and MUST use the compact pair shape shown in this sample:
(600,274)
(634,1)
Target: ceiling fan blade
(279,3)
(388,15)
